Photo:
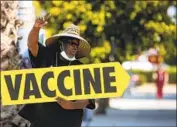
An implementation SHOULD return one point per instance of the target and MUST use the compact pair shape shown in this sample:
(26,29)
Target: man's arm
(34,34)
(79,104)
(33,40)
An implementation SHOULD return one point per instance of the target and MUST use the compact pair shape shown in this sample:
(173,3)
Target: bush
(147,76)
(142,79)
(172,74)
(172,77)
(144,76)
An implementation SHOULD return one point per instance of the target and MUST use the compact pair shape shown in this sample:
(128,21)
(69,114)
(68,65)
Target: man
(61,50)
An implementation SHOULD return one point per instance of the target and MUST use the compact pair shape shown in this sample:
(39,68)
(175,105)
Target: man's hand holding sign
(60,77)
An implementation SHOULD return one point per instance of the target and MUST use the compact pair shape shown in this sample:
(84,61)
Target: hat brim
(83,49)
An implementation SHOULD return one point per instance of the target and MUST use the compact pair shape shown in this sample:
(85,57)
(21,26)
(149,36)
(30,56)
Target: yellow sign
(40,85)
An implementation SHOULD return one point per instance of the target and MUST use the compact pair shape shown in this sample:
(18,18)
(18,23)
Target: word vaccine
(89,81)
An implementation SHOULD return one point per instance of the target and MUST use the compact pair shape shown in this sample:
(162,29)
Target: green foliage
(142,79)
(146,76)
(172,74)
(132,26)
(172,77)
(171,69)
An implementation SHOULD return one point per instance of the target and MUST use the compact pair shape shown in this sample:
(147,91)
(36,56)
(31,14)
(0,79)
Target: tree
(132,26)
(10,58)
(140,25)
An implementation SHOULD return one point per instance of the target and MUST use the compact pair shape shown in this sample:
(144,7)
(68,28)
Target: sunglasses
(73,42)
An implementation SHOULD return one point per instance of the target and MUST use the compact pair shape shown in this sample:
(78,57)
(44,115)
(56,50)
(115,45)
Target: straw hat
(74,32)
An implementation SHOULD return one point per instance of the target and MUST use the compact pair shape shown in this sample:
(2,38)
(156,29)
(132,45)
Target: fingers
(46,17)
(45,23)
(60,100)
(65,103)
(40,19)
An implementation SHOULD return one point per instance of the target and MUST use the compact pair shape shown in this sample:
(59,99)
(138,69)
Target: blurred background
(141,35)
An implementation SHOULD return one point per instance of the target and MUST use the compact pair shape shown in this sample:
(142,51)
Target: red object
(160,83)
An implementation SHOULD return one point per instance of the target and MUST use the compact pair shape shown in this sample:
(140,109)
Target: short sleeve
(39,60)
(91,104)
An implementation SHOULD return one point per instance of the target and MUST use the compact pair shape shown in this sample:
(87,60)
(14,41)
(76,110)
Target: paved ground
(140,118)
(140,108)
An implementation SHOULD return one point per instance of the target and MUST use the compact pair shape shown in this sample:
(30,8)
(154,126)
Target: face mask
(63,53)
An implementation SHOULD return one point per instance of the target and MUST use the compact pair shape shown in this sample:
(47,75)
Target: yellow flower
(57,3)
(66,24)
(99,29)
(88,6)
(107,47)
(69,16)
(97,60)
(48,32)
(82,27)
(54,11)
(93,53)
(108,15)
(68,6)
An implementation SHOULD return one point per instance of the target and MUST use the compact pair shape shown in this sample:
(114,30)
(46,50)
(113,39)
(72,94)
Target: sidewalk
(148,92)
(142,104)
(140,109)
(144,98)
(132,118)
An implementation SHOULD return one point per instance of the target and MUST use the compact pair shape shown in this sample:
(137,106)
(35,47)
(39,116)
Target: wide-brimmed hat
(74,32)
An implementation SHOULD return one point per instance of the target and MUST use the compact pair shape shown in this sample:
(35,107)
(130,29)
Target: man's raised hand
(41,21)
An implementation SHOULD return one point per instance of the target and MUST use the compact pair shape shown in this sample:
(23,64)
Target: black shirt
(52,114)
